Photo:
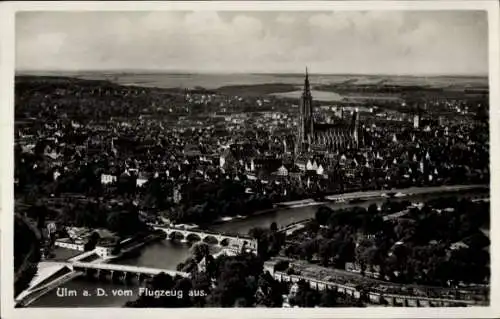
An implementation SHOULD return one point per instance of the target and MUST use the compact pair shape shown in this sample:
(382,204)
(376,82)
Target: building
(101,250)
(329,137)
(142,179)
(108,179)
(177,196)
(416,121)
(69,244)
(104,251)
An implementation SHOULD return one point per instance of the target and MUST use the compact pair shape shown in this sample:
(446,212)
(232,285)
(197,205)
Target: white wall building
(69,245)
(108,179)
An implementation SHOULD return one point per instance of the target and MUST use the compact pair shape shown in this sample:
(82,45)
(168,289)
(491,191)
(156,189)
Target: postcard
(275,159)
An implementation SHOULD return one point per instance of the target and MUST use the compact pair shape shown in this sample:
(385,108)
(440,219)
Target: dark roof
(292,168)
(302,159)
(335,126)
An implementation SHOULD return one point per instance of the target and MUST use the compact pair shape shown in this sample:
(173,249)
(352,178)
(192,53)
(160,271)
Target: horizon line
(188,72)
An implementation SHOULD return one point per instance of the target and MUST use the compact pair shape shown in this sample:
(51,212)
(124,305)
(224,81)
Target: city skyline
(401,42)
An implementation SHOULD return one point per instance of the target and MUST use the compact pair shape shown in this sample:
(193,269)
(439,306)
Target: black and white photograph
(193,157)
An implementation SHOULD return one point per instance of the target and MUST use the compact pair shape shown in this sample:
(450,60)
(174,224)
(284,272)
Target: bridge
(221,239)
(66,271)
(118,271)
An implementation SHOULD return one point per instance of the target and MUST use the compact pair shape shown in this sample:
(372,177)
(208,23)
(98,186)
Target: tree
(322,215)
(477,241)
(202,285)
(199,251)
(236,278)
(365,254)
(326,251)
(281,265)
(117,248)
(346,253)
(125,223)
(92,242)
(257,233)
(185,286)
(328,298)
(372,209)
(312,227)
(274,227)
(305,297)
(307,249)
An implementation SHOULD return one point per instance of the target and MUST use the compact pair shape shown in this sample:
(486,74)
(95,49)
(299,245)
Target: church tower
(417,117)
(306,122)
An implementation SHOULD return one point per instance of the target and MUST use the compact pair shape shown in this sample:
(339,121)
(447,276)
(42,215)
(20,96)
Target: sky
(341,42)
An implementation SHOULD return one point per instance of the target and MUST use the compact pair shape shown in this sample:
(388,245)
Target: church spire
(306,83)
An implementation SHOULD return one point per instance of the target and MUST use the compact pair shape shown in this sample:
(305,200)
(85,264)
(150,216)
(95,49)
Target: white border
(7,16)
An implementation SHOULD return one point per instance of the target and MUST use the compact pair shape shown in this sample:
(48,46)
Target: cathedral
(324,137)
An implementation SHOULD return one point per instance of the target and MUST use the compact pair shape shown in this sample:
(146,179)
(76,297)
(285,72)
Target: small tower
(355,126)
(417,117)
(416,121)
(113,149)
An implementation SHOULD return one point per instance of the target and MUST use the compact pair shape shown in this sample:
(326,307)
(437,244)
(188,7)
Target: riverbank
(28,267)
(360,196)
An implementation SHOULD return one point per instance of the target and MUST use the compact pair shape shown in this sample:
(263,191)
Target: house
(282,171)
(311,166)
(56,174)
(459,245)
(142,179)
(294,171)
(301,162)
(108,179)
(104,251)
(320,170)
(370,271)
(70,244)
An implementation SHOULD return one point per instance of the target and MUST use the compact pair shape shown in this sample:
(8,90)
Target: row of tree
(420,247)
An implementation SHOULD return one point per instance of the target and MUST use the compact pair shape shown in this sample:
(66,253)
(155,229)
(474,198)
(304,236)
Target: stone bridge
(121,272)
(186,235)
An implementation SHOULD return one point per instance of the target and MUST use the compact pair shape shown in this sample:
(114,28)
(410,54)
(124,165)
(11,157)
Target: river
(168,255)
